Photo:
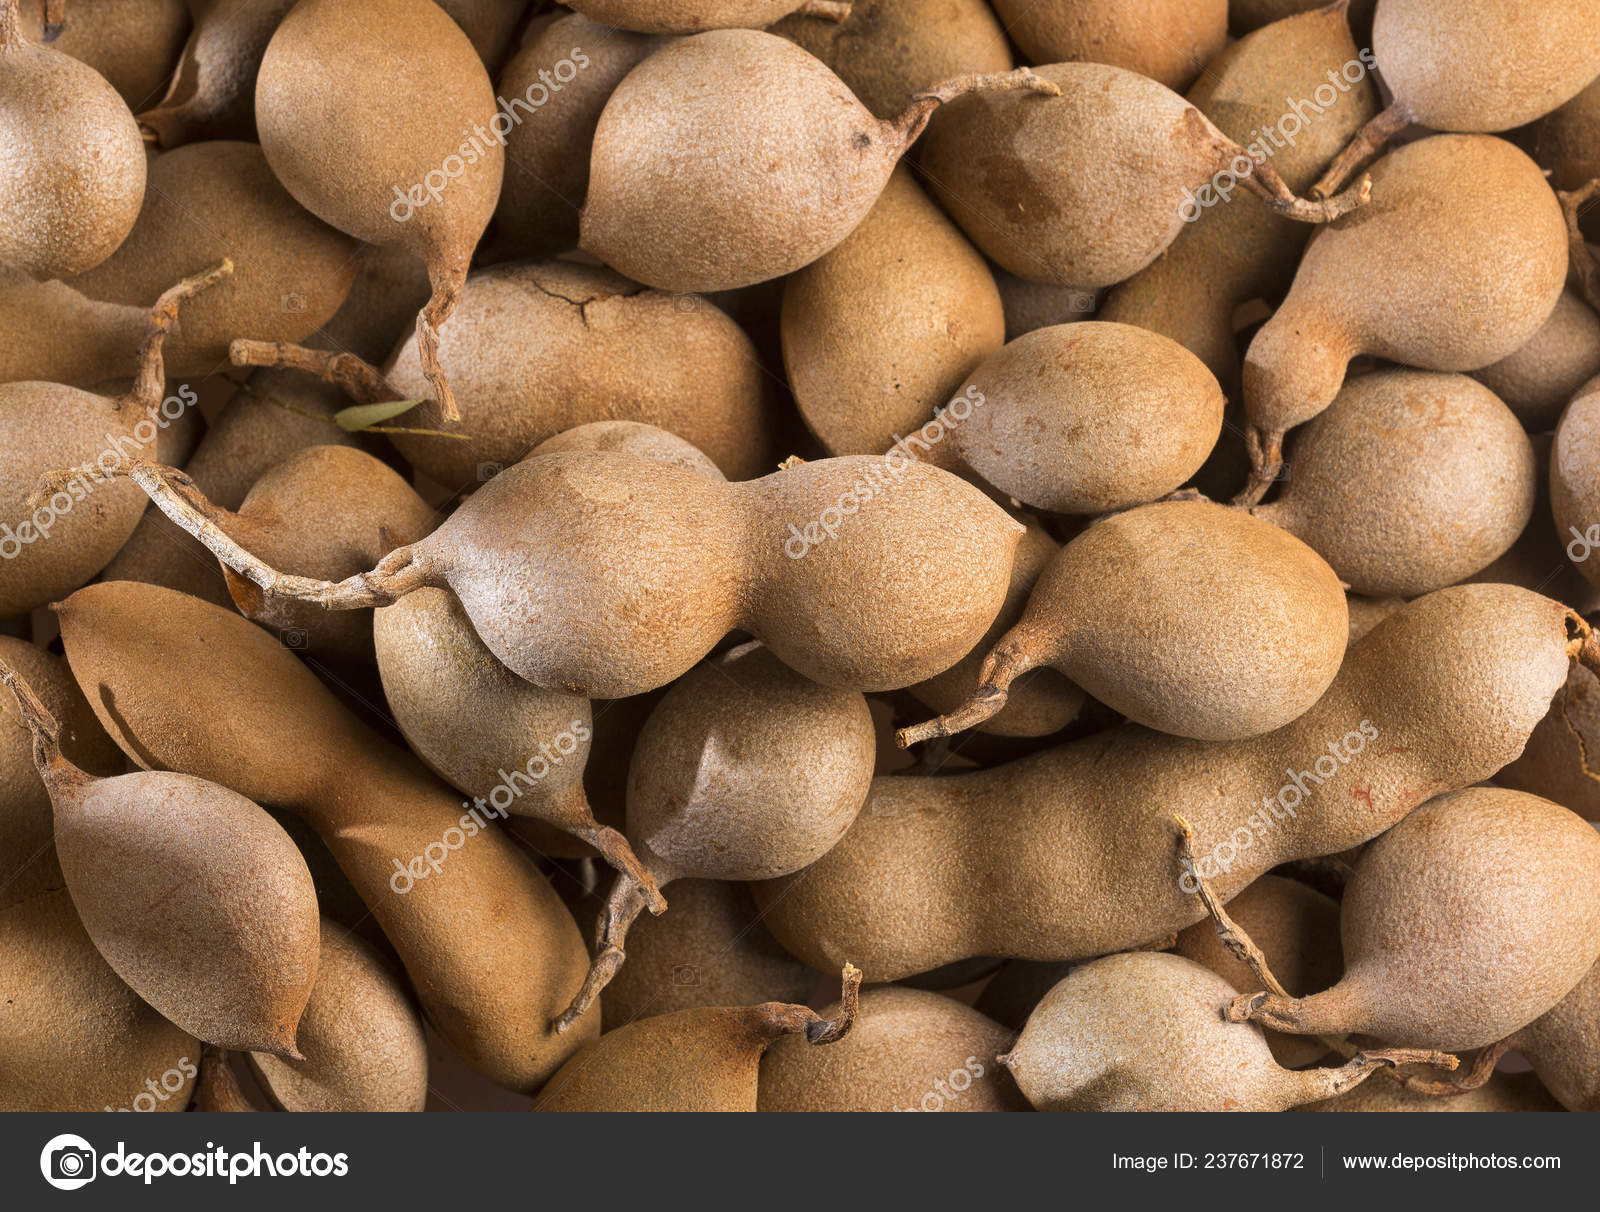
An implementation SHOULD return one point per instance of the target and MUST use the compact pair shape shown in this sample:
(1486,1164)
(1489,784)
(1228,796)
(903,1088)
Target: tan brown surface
(911,1051)
(362,1039)
(75,1037)
(1410,481)
(882,330)
(1468,919)
(1167,40)
(74,171)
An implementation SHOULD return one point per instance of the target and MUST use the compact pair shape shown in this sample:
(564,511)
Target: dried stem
(357,378)
(1579,255)
(1330,1083)
(177,496)
(1479,1072)
(1270,1009)
(614,848)
(1588,647)
(1267,185)
(150,382)
(1239,944)
(10,25)
(1266,464)
(218,1088)
(786,1018)
(36,718)
(1577,734)
(832,1030)
(1003,666)
(623,907)
(914,119)
(1234,937)
(1368,141)
(447,283)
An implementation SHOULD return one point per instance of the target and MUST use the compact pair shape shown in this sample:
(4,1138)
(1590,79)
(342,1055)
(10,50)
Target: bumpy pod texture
(1297,929)
(547,159)
(361,1037)
(1410,481)
(27,840)
(695,1060)
(1466,921)
(74,1037)
(376,116)
(1567,142)
(1540,550)
(671,562)
(1145,1032)
(72,171)
(1167,40)
(1555,763)
(1539,378)
(1503,1092)
(134,44)
(1114,610)
(197,898)
(291,271)
(1563,1046)
(708,174)
(213,92)
(881,331)
(252,434)
(1088,418)
(687,16)
(1039,702)
(1481,65)
(1236,249)
(1081,190)
(697,802)
(912,1051)
(327,512)
(1455,263)
(886,50)
(535,350)
(63,542)
(1575,478)
(436,673)
(708,949)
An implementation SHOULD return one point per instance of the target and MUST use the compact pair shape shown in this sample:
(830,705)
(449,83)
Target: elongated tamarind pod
(491,951)
(1068,853)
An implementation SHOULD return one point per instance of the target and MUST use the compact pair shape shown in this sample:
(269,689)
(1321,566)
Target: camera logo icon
(68,1162)
(296,639)
(685,974)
